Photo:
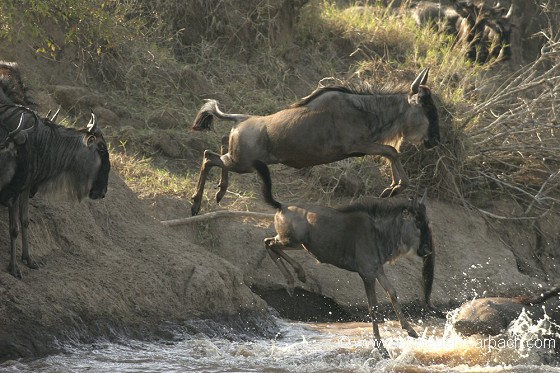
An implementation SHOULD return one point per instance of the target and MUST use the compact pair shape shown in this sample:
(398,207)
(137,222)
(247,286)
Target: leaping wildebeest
(330,124)
(360,238)
(61,159)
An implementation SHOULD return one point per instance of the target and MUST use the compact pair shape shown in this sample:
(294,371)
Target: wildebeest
(493,315)
(330,124)
(360,237)
(485,31)
(60,159)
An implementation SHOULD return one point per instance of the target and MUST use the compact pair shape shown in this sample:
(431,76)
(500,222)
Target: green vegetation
(499,128)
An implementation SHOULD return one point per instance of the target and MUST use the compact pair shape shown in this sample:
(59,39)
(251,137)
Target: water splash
(302,347)
(528,334)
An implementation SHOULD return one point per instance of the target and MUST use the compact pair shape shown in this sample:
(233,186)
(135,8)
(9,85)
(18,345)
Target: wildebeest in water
(360,237)
(60,159)
(330,124)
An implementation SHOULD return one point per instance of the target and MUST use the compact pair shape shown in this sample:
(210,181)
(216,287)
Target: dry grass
(499,129)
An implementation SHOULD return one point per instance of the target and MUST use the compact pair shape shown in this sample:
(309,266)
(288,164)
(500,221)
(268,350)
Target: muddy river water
(315,347)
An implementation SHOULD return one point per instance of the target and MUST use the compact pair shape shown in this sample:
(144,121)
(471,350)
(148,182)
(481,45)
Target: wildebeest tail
(428,267)
(205,116)
(541,298)
(266,186)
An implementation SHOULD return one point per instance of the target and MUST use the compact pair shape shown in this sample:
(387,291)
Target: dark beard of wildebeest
(360,238)
(330,124)
(60,159)
(486,31)
(14,162)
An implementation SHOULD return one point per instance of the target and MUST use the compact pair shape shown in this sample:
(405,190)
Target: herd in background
(484,30)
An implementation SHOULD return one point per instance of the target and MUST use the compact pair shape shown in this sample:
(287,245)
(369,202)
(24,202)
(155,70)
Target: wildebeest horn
(53,118)
(14,133)
(509,13)
(421,79)
(92,125)
(19,135)
(424,195)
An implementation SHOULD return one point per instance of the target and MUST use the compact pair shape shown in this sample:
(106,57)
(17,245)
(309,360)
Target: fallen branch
(217,214)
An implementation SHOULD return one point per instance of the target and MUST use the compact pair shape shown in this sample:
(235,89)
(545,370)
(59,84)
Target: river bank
(110,269)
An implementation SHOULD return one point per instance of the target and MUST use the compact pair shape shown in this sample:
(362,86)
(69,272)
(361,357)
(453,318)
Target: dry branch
(215,215)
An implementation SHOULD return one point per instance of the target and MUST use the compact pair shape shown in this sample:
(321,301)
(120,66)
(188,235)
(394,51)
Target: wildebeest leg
(224,178)
(273,251)
(369,284)
(399,177)
(279,249)
(13,213)
(209,160)
(391,292)
(24,219)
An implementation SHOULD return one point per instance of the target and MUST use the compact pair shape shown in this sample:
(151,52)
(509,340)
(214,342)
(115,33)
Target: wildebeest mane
(389,210)
(376,206)
(63,144)
(355,88)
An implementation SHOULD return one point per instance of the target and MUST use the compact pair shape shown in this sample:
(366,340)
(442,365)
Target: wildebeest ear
(413,203)
(423,92)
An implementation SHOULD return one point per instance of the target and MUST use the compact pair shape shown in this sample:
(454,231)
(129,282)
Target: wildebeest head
(499,28)
(81,164)
(427,130)
(98,155)
(425,246)
(13,86)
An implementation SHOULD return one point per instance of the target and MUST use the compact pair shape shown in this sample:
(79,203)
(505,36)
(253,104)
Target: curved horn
(509,13)
(421,79)
(14,133)
(53,118)
(92,125)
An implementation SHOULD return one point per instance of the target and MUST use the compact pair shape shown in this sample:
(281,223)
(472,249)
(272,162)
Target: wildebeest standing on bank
(360,238)
(330,124)
(61,159)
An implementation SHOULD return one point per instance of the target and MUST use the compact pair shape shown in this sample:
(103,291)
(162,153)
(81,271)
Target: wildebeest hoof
(301,276)
(14,271)
(221,193)
(436,313)
(382,350)
(412,333)
(30,263)
(195,208)
(290,290)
